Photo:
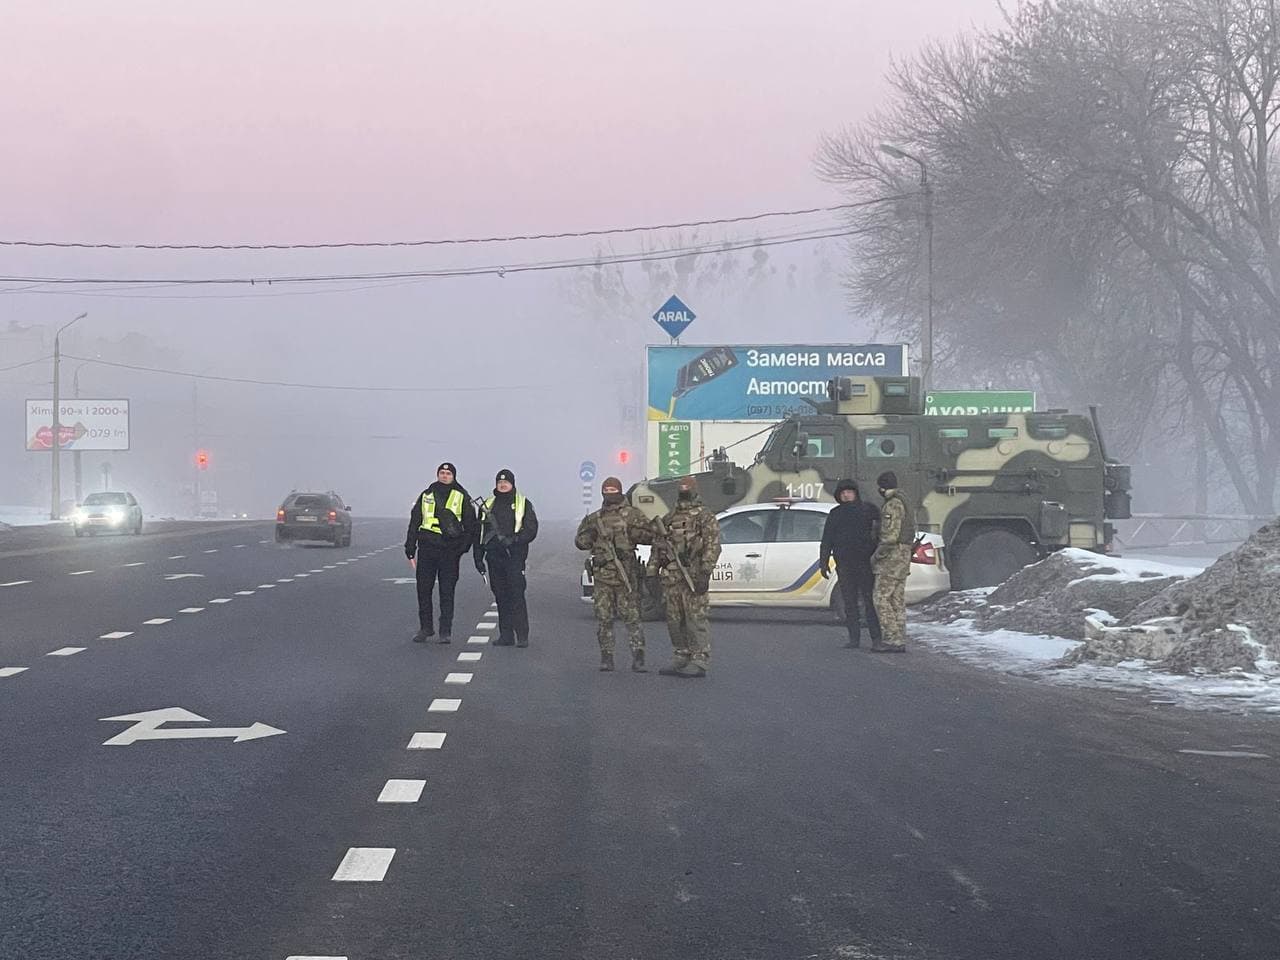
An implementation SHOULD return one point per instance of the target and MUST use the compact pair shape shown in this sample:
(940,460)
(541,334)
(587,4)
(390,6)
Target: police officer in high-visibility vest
(508,525)
(442,527)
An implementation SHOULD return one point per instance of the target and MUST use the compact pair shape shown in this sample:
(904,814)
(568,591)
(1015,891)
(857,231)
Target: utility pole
(926,189)
(195,446)
(55,510)
(75,456)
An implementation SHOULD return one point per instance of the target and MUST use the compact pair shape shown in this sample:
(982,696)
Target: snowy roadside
(25,517)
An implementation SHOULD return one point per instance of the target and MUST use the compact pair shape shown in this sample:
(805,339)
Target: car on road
(109,511)
(314,516)
(769,558)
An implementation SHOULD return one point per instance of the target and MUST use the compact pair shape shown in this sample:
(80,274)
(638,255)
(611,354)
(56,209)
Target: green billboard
(673,447)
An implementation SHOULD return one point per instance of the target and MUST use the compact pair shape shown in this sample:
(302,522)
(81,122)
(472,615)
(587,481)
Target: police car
(769,558)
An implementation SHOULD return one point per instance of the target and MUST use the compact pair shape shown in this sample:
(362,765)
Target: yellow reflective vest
(519,505)
(453,504)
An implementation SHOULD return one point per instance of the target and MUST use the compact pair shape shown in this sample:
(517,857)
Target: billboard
(757,382)
(974,402)
(82,424)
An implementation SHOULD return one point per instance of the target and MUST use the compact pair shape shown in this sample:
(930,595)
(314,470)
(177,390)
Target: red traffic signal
(624,456)
(202,460)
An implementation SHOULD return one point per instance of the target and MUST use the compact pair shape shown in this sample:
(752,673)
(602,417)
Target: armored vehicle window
(821,447)
(954,433)
(895,389)
(1050,431)
(747,527)
(1002,433)
(801,526)
(892,446)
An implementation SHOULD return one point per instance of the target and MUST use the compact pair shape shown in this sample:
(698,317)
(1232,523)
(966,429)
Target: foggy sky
(320,121)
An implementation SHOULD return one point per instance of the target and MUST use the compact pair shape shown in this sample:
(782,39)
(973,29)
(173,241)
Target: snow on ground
(1130,568)
(1034,656)
(23,516)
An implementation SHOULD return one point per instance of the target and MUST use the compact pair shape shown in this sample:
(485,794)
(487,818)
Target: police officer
(611,534)
(442,527)
(507,527)
(891,563)
(686,548)
(850,535)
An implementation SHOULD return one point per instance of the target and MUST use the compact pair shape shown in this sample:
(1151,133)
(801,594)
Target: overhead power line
(451,241)
(26,363)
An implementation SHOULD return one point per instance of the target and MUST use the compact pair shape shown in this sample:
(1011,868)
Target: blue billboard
(757,382)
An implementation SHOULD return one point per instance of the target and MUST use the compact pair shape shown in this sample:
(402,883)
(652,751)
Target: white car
(769,558)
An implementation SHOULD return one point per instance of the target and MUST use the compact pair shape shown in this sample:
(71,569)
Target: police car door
(791,571)
(744,547)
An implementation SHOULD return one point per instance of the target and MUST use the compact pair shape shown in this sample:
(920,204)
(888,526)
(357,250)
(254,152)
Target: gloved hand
(480,566)
(824,568)
(409,552)
(702,583)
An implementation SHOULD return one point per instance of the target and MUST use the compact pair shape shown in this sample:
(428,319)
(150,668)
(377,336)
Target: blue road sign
(674,317)
(587,472)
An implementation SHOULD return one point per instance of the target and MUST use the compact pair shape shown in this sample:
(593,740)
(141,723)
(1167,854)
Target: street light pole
(926,188)
(55,510)
(75,456)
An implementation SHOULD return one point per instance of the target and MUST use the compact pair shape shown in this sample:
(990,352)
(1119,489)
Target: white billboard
(82,424)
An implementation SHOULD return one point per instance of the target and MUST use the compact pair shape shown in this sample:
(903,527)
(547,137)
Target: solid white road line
(79,573)
(14,583)
(426,741)
(116,635)
(477,639)
(10,671)
(458,678)
(444,706)
(191,610)
(402,791)
(65,652)
(365,864)
(469,656)
(157,621)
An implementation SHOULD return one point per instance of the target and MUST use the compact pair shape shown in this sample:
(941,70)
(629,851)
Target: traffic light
(202,459)
(624,457)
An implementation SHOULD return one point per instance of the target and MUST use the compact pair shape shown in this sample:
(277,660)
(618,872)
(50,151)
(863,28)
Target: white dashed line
(301,576)
(244,593)
(299,956)
(65,652)
(14,583)
(365,864)
(238,546)
(10,671)
(285,580)
(221,600)
(486,626)
(402,791)
(458,678)
(426,741)
(491,614)
(214,550)
(444,706)
(191,610)
(137,563)
(329,566)
(477,639)
(181,556)
(469,656)
(317,571)
(266,586)
(116,635)
(157,621)
(79,573)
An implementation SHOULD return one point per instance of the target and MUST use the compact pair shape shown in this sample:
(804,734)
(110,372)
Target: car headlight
(81,515)
(115,514)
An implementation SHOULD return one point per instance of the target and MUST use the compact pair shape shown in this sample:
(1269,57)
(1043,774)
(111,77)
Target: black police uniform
(438,553)
(503,551)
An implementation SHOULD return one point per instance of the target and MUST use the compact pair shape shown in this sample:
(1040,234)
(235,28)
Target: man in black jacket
(507,527)
(442,526)
(850,534)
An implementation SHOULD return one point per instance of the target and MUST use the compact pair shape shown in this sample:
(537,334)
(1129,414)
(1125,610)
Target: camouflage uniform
(694,534)
(892,563)
(625,526)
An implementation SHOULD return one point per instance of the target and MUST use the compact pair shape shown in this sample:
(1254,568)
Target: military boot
(422,635)
(674,670)
(692,669)
(606,661)
(637,662)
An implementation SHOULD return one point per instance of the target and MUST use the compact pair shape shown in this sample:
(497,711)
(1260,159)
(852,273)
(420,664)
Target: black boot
(504,640)
(445,636)
(637,662)
(422,635)
(606,662)
(522,641)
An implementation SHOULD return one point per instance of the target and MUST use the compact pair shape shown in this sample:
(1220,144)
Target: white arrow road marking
(444,706)
(65,652)
(402,791)
(399,580)
(183,576)
(426,741)
(192,610)
(147,726)
(157,621)
(469,656)
(116,635)
(458,678)
(477,639)
(365,864)
(14,583)
(10,671)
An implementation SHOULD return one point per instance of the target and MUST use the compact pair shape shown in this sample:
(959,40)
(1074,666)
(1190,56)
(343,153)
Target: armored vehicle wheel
(990,558)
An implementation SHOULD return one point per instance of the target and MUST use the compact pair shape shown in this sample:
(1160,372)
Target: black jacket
(500,526)
(850,533)
(449,540)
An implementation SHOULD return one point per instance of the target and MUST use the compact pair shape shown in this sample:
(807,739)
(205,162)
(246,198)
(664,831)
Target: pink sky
(166,120)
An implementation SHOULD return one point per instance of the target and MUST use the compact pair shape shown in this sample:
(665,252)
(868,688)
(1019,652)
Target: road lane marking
(1233,754)
(477,639)
(191,610)
(148,725)
(444,706)
(14,583)
(136,563)
(285,580)
(221,600)
(299,956)
(79,573)
(214,550)
(157,621)
(244,593)
(301,576)
(184,576)
(65,652)
(402,791)
(487,626)
(260,541)
(181,556)
(10,671)
(469,656)
(266,586)
(238,546)
(490,614)
(426,741)
(116,635)
(365,864)
(317,571)
(329,566)
(458,678)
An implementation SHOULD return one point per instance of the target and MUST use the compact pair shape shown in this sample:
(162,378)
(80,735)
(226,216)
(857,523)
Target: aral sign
(82,425)
(973,403)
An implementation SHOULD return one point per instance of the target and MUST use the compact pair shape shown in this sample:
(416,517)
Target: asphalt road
(803,801)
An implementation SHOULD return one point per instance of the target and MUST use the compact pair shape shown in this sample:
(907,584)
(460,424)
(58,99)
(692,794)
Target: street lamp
(926,345)
(55,511)
(75,456)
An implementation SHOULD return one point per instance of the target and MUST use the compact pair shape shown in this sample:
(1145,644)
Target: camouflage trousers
(614,601)
(889,595)
(687,622)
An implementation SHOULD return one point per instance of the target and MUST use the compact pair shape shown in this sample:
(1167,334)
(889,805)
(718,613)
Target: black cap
(507,475)
(887,480)
(847,484)
(450,467)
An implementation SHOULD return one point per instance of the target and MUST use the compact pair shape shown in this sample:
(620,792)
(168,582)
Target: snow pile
(1225,620)
(23,516)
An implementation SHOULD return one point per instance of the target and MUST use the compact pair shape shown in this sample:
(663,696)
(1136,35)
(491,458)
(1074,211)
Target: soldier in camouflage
(684,558)
(891,563)
(611,534)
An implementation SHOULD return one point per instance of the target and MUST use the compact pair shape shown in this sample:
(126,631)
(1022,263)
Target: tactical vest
(907,535)
(519,505)
(453,504)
